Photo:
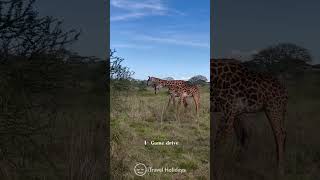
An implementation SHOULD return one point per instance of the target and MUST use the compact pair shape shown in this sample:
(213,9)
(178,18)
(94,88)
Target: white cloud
(134,5)
(134,9)
(176,41)
(130,46)
(127,16)
(185,78)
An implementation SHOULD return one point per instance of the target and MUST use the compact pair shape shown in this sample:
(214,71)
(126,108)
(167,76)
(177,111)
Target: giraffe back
(176,87)
(233,84)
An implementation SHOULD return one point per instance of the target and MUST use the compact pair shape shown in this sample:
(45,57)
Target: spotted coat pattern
(235,91)
(178,88)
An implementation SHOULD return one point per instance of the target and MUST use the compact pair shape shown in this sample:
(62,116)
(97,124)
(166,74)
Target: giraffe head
(150,81)
(155,83)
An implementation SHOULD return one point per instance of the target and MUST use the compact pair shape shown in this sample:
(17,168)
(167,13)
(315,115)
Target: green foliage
(117,70)
(120,76)
(141,85)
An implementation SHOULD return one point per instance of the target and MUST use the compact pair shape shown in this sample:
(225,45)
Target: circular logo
(140,169)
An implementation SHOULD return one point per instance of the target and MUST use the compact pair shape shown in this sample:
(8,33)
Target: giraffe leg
(241,131)
(182,100)
(170,97)
(224,130)
(178,107)
(276,119)
(196,99)
(173,99)
(185,102)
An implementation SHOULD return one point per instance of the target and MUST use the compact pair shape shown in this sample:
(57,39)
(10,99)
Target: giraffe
(178,88)
(235,91)
(153,81)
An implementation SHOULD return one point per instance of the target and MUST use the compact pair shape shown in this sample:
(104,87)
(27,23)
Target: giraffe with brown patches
(178,88)
(235,91)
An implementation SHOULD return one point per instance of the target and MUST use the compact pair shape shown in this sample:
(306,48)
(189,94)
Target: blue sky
(162,38)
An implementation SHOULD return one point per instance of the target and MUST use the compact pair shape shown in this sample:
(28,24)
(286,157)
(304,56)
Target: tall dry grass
(142,115)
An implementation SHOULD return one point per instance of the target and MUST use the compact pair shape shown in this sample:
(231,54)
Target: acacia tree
(199,79)
(23,32)
(279,58)
(169,78)
(282,51)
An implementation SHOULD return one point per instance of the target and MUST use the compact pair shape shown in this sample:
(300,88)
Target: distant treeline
(286,59)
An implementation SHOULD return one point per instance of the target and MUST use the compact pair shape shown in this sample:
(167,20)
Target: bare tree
(24,33)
